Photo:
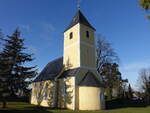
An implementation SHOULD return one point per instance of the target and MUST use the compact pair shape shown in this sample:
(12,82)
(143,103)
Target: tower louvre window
(87,34)
(71,35)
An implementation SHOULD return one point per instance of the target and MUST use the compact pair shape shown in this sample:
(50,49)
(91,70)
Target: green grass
(21,107)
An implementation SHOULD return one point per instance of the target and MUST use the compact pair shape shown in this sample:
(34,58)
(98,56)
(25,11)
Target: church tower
(79,43)
(80,62)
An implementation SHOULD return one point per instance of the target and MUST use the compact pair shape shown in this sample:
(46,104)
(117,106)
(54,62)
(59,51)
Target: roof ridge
(52,61)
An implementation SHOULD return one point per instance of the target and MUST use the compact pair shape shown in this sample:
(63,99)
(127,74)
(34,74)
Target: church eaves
(79,18)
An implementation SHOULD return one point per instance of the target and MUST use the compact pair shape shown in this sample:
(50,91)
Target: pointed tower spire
(79,18)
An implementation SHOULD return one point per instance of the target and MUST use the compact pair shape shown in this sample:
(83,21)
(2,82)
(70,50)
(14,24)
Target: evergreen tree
(12,60)
(3,78)
(111,77)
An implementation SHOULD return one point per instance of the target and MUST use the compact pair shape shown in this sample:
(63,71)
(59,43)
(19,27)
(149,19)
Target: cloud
(48,27)
(47,30)
(43,26)
(135,66)
(40,29)
(32,49)
(25,27)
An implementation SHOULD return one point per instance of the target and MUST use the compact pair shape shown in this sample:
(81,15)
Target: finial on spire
(78,4)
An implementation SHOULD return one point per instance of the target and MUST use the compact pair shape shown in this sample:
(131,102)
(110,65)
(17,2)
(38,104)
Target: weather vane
(78,4)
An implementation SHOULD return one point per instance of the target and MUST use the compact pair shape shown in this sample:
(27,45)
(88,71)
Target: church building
(72,81)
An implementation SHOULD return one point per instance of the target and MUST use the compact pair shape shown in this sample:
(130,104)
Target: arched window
(71,35)
(87,34)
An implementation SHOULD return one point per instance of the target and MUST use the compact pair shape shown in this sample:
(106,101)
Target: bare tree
(105,53)
(107,65)
(144,83)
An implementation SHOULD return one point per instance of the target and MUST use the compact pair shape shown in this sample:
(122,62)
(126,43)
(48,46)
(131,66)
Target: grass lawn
(21,107)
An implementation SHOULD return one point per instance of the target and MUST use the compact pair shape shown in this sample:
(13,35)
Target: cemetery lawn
(22,107)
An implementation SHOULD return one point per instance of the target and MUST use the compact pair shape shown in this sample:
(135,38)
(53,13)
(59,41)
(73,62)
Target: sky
(42,22)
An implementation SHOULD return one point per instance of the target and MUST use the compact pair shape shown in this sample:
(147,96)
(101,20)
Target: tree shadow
(34,109)
(44,91)
(56,93)
(64,87)
(39,92)
(69,92)
(124,103)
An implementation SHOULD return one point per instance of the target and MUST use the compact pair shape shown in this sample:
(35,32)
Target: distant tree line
(144,84)
(15,76)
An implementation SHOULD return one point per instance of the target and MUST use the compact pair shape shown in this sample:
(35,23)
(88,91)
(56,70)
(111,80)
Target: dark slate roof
(69,73)
(51,70)
(79,18)
(90,80)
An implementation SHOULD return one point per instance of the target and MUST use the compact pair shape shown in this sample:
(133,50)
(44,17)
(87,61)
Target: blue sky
(42,22)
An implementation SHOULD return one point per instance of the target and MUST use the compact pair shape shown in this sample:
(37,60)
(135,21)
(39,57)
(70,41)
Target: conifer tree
(4,89)
(111,77)
(12,69)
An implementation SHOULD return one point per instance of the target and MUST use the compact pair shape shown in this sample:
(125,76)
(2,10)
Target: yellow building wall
(96,93)
(88,56)
(71,47)
(80,50)
(38,93)
(89,98)
(83,30)
(64,101)
(87,47)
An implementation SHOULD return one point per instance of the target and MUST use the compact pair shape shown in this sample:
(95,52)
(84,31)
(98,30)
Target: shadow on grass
(25,109)
(124,103)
